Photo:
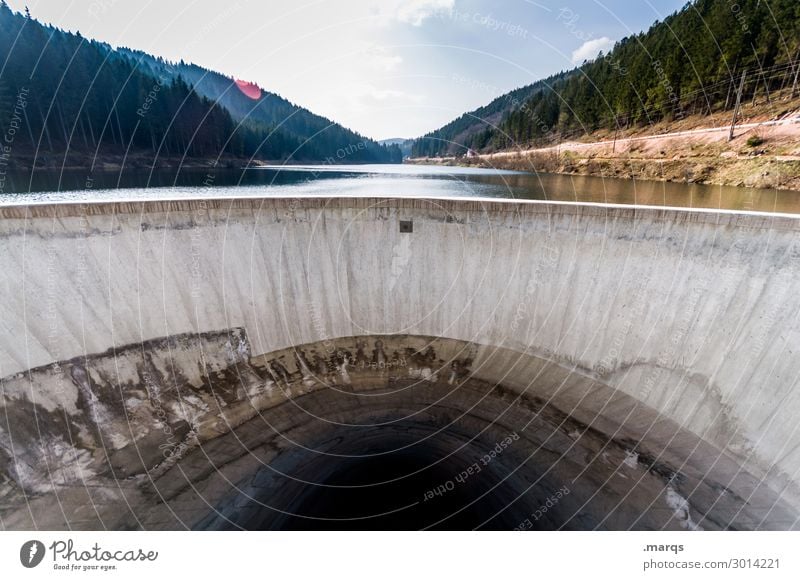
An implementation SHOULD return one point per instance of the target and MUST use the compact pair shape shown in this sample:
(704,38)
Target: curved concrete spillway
(398,363)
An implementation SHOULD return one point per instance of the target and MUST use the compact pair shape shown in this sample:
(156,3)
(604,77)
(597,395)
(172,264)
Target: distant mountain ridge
(404,144)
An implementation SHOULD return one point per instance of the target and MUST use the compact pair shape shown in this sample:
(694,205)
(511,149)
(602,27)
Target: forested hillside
(471,129)
(61,92)
(313,136)
(691,63)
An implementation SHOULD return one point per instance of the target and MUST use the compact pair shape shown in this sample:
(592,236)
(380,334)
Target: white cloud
(416,11)
(381,59)
(364,94)
(590,49)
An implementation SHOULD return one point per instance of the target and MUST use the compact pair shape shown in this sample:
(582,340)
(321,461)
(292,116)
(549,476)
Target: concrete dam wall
(382,363)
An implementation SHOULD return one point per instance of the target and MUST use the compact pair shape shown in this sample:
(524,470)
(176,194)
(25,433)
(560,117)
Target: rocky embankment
(765,153)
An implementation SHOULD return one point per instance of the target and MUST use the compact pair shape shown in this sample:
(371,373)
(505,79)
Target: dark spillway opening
(404,491)
(402,477)
(423,455)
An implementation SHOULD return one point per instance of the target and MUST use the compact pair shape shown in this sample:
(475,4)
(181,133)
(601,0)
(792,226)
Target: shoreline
(759,173)
(81,161)
(764,154)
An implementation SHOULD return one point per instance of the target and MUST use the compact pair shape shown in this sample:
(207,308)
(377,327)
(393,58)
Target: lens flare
(249,89)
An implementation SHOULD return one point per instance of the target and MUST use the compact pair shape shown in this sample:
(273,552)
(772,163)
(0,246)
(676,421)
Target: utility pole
(736,108)
(730,90)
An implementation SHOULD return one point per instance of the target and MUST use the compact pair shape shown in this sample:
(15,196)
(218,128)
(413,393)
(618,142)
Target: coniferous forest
(61,93)
(691,63)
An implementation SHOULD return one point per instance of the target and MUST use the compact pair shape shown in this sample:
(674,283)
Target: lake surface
(381,180)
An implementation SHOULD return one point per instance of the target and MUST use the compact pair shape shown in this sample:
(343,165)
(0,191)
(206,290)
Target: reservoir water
(380,180)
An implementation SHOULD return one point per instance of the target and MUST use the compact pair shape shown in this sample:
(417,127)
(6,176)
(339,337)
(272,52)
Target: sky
(385,68)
